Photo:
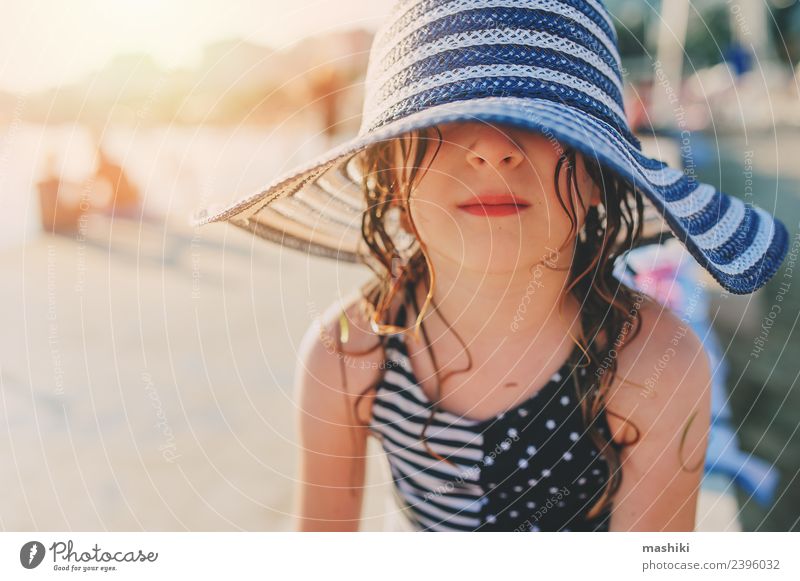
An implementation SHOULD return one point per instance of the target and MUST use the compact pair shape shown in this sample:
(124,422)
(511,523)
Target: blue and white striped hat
(550,66)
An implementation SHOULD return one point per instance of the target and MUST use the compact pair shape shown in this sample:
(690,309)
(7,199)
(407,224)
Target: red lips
(494,204)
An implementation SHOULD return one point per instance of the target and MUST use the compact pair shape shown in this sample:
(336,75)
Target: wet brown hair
(609,309)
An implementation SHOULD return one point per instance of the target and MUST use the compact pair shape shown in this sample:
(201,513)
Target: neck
(487,307)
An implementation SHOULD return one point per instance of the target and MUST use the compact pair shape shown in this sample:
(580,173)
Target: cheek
(434,221)
(432,201)
(576,202)
(547,214)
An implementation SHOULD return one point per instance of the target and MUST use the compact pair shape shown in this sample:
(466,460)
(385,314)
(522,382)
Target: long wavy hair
(609,309)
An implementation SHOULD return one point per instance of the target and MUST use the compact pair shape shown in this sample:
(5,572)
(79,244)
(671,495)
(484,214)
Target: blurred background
(146,366)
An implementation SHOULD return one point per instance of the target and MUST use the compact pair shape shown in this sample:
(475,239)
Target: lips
(494,204)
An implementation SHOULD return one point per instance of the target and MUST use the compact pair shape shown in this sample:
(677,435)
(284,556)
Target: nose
(492,148)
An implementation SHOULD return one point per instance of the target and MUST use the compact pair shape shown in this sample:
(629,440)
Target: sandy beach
(147,379)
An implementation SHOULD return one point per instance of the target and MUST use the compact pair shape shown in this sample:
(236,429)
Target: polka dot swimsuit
(530,468)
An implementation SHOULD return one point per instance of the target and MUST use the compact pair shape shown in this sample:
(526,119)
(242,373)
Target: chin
(495,251)
(497,259)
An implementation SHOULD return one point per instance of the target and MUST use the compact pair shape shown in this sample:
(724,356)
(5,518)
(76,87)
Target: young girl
(513,383)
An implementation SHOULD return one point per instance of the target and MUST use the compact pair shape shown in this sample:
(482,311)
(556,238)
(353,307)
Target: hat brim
(317,207)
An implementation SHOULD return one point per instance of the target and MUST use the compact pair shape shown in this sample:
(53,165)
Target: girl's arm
(661,474)
(332,446)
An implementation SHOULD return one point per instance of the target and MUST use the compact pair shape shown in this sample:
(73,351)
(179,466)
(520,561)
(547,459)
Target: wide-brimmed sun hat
(550,66)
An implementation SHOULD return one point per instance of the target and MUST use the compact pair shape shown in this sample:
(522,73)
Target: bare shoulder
(660,404)
(334,368)
(339,355)
(663,372)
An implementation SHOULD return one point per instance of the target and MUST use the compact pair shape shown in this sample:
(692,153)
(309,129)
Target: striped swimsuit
(530,468)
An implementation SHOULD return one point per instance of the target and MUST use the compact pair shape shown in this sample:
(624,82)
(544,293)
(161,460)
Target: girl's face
(477,159)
